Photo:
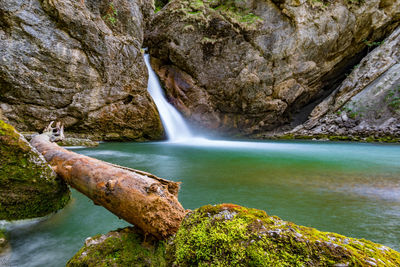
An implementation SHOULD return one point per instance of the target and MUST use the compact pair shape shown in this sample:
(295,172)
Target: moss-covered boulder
(124,247)
(3,242)
(29,188)
(230,235)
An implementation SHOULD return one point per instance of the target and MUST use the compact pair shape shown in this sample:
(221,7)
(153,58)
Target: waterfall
(173,122)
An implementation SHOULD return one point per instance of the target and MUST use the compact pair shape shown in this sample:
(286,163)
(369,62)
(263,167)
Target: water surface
(348,188)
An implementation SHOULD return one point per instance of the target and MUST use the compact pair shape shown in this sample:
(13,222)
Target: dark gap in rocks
(159,4)
(4,23)
(4,88)
(300,112)
(128,99)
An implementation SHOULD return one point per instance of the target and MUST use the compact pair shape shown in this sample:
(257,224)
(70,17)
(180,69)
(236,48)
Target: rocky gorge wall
(367,104)
(79,62)
(249,66)
(239,67)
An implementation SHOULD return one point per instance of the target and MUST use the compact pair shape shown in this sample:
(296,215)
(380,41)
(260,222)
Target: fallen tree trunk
(140,198)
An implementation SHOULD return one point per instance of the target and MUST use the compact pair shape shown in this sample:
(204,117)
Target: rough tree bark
(140,198)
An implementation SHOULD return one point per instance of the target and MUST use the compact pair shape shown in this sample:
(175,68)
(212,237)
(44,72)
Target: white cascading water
(175,127)
(173,122)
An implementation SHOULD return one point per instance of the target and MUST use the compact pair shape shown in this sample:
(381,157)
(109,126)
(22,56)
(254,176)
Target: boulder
(78,62)
(231,235)
(29,188)
(4,246)
(368,100)
(247,66)
(123,247)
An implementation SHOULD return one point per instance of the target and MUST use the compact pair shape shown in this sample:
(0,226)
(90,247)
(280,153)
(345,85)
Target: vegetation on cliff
(28,186)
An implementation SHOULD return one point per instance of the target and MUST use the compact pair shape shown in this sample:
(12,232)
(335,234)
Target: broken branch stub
(148,202)
(55,133)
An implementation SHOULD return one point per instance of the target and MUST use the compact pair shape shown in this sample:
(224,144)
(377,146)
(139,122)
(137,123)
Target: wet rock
(247,66)
(28,186)
(79,62)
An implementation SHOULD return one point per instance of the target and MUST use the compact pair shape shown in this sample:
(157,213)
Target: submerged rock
(247,66)
(29,188)
(366,106)
(78,62)
(231,235)
(123,247)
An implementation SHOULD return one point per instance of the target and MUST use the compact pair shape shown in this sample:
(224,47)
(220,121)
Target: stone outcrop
(367,104)
(29,188)
(79,62)
(249,66)
(231,235)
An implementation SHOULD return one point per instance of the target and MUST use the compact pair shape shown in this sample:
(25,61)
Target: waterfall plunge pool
(348,188)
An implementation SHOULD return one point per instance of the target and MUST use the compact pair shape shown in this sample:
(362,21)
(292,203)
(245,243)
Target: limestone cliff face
(367,104)
(78,61)
(248,66)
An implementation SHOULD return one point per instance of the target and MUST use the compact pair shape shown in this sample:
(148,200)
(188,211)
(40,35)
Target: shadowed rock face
(246,67)
(367,103)
(79,62)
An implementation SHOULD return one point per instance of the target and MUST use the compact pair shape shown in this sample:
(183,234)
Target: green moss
(3,241)
(196,4)
(28,186)
(392,99)
(124,247)
(326,3)
(230,235)
(237,14)
(159,4)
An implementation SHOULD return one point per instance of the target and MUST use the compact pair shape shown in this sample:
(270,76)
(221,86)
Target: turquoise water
(348,188)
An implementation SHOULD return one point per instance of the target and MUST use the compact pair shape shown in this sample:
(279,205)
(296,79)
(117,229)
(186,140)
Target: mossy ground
(230,235)
(28,186)
(124,247)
